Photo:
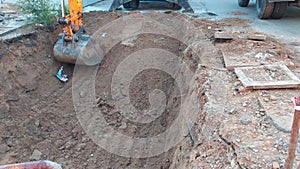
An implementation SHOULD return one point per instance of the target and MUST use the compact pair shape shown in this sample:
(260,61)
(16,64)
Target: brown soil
(37,111)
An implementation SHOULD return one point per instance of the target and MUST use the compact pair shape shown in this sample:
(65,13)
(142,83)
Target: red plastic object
(33,165)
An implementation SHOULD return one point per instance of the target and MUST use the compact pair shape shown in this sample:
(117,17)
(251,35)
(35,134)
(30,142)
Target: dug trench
(38,119)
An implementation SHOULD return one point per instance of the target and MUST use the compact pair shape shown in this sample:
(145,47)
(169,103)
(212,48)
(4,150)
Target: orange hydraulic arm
(72,23)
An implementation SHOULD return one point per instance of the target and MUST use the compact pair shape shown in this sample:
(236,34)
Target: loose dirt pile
(38,120)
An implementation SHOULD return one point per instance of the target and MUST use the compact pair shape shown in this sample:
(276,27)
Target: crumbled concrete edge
(18,32)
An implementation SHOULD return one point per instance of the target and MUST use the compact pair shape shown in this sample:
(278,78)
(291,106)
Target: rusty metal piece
(33,165)
(294,138)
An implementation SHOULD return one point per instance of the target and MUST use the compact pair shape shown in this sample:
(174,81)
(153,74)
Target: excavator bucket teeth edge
(69,52)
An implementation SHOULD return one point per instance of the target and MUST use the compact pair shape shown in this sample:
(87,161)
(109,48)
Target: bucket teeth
(69,52)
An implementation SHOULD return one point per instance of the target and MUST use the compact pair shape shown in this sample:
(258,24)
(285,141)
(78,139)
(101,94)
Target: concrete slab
(251,55)
(17,32)
(267,77)
(11,18)
(11,27)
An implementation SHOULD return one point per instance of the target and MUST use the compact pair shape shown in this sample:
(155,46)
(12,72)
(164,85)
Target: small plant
(40,11)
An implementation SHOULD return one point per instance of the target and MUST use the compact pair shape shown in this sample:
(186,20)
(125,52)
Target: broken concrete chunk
(130,42)
(273,98)
(258,37)
(239,35)
(224,35)
(36,155)
(123,126)
(271,52)
(232,111)
(245,122)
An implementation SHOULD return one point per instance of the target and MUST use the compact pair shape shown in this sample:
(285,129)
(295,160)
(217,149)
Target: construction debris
(238,35)
(267,77)
(242,53)
(36,155)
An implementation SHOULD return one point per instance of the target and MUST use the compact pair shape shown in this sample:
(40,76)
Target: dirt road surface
(233,128)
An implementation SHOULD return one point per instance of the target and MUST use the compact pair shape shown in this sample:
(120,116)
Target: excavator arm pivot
(73,40)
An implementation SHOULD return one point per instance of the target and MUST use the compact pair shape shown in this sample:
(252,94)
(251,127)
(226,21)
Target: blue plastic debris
(61,76)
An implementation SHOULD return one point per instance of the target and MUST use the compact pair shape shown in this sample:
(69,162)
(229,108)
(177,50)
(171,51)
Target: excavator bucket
(84,51)
(81,49)
(74,46)
(68,52)
(133,4)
